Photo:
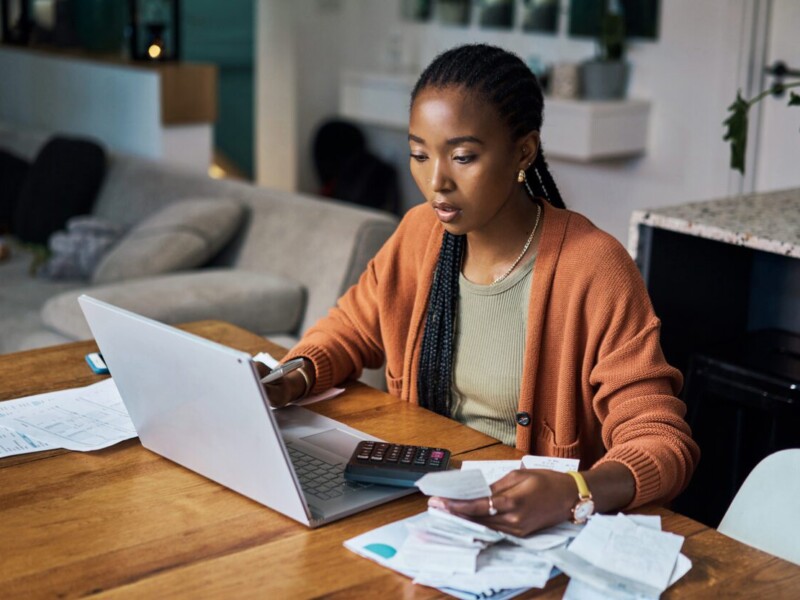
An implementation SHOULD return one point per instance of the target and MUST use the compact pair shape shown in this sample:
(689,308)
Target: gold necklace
(524,248)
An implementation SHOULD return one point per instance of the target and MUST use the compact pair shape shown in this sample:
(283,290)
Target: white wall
(118,105)
(779,143)
(690,73)
(277,73)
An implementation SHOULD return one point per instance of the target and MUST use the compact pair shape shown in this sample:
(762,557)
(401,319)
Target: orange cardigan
(594,381)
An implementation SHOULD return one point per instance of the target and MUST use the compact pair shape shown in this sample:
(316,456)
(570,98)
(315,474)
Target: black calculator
(394,464)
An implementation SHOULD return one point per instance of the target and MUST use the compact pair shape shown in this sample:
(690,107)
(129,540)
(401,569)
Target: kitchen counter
(718,269)
(769,222)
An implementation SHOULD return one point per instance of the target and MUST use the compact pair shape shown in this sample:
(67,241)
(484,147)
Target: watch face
(583,510)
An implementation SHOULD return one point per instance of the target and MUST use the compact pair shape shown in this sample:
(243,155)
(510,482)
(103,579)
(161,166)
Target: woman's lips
(446,212)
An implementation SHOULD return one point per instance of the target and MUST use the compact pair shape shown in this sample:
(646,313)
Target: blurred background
(284,69)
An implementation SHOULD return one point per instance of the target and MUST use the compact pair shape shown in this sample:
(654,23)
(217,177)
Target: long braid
(436,362)
(507,84)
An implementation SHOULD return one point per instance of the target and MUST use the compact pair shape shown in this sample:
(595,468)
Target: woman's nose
(440,178)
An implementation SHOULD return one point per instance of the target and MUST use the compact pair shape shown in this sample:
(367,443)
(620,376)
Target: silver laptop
(202,405)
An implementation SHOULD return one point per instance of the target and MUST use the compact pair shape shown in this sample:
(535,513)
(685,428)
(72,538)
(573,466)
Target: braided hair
(506,83)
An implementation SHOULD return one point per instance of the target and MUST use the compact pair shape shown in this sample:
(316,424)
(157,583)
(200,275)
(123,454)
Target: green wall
(223,33)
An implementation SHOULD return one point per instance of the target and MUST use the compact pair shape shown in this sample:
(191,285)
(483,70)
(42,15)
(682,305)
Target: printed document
(84,419)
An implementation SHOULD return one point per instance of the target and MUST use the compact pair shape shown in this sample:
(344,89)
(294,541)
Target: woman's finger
(508,481)
(468,508)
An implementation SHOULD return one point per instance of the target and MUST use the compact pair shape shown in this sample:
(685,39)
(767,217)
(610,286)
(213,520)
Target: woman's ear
(528,148)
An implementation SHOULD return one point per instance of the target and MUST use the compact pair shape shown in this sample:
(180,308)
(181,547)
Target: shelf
(584,130)
(158,110)
(376,98)
(578,130)
(188,89)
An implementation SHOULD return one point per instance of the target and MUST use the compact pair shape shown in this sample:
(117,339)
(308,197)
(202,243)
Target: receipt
(493,470)
(618,554)
(550,462)
(456,485)
(582,590)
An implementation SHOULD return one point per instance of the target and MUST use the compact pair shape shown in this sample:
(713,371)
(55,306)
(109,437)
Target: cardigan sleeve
(348,339)
(351,337)
(643,424)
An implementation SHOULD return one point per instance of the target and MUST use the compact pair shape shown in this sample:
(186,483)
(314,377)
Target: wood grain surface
(124,522)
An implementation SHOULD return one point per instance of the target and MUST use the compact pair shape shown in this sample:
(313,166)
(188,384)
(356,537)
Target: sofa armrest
(260,302)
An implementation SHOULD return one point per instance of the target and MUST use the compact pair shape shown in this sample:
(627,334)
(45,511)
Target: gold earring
(521,176)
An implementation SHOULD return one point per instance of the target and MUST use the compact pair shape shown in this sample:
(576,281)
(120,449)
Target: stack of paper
(620,557)
(448,551)
(625,557)
(461,558)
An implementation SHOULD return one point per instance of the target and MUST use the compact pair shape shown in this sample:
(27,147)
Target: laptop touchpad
(334,440)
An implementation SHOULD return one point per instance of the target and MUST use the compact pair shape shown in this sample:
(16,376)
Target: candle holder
(155,30)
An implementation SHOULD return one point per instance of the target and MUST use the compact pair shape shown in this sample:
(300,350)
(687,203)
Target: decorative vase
(604,79)
(565,81)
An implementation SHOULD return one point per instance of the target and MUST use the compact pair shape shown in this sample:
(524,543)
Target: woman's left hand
(526,500)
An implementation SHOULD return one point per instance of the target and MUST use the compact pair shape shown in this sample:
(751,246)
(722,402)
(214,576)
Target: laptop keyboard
(319,478)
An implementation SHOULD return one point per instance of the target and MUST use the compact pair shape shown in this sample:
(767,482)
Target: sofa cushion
(256,301)
(180,236)
(62,182)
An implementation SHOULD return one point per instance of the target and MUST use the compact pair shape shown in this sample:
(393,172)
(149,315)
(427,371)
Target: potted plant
(606,76)
(736,123)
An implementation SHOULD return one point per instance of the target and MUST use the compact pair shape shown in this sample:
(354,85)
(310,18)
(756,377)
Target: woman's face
(463,158)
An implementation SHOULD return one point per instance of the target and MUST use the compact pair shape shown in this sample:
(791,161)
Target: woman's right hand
(290,387)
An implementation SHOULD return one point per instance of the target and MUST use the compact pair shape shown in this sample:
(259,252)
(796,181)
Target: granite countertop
(768,221)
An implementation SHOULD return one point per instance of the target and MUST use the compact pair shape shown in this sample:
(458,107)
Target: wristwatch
(584,507)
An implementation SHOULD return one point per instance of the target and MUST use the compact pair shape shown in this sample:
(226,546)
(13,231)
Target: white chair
(765,513)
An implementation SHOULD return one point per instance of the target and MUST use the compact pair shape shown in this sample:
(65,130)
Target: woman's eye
(464,158)
(419,157)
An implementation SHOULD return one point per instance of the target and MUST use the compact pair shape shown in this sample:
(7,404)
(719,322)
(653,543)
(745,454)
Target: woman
(494,305)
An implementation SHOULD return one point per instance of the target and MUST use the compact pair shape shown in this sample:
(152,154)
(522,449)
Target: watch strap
(583,489)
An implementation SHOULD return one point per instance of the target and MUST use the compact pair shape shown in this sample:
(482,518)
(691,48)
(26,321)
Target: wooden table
(125,523)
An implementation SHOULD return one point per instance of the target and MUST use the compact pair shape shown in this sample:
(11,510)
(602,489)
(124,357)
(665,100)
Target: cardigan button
(523,419)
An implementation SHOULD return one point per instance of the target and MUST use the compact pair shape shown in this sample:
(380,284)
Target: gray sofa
(289,261)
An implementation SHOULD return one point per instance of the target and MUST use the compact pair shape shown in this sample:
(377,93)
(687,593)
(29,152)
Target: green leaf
(794,99)
(736,132)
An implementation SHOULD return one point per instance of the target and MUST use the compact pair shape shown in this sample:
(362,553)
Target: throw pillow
(62,182)
(75,253)
(13,171)
(183,235)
